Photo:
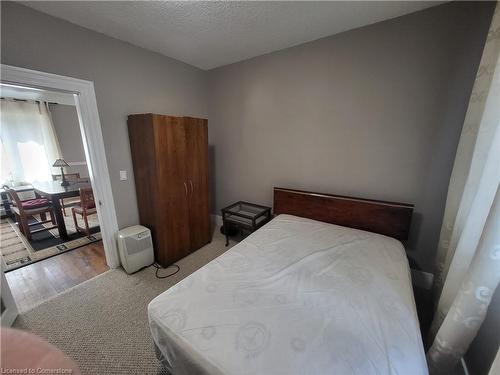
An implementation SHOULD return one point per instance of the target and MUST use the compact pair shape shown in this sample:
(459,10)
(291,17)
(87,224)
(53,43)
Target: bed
(299,296)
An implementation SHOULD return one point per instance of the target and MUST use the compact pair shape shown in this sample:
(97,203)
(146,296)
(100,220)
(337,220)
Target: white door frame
(90,128)
(10,311)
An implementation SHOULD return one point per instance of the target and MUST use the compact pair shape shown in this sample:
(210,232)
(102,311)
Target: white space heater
(136,248)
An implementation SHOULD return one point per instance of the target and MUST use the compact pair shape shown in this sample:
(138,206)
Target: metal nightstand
(244,216)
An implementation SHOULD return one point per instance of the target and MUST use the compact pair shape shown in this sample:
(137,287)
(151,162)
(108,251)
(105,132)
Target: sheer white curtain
(29,144)
(468,260)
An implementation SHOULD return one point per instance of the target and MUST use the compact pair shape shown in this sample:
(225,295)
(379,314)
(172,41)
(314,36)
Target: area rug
(50,238)
(17,251)
(103,324)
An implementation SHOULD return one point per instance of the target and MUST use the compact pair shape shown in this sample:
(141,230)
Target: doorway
(70,91)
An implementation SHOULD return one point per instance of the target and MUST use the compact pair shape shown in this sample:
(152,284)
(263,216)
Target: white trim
(216,220)
(90,127)
(464,366)
(10,313)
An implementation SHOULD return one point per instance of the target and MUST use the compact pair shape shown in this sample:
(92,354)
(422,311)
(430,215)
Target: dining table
(53,191)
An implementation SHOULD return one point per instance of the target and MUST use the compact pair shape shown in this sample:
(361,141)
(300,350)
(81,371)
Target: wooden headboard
(387,218)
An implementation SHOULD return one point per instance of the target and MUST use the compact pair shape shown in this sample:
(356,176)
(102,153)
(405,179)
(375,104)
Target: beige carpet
(102,324)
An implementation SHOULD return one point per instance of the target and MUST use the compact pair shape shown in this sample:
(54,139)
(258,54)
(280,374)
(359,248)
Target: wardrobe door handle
(185,188)
(191,183)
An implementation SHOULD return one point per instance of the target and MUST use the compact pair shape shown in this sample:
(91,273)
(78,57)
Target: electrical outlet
(123,175)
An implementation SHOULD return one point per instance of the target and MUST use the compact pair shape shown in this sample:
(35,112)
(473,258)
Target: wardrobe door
(197,172)
(173,189)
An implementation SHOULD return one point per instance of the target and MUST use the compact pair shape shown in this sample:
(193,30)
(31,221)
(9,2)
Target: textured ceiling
(214,33)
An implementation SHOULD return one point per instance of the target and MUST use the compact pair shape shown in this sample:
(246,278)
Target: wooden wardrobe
(170,158)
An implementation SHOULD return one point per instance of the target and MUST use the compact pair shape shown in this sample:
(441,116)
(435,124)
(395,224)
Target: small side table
(245,216)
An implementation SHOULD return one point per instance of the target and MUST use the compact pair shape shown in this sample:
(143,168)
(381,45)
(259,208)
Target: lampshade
(60,163)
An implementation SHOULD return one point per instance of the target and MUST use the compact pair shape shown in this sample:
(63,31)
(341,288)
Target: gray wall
(374,112)
(67,127)
(127,80)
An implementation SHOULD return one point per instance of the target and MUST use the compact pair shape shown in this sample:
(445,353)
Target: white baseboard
(465,369)
(216,220)
(422,279)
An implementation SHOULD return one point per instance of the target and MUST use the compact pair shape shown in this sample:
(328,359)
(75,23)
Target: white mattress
(296,297)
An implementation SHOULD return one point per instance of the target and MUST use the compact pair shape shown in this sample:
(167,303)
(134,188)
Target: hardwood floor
(40,281)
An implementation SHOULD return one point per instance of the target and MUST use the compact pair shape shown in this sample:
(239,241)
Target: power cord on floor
(159,267)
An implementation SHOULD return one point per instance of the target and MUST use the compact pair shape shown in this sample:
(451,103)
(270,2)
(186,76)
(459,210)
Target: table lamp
(62,163)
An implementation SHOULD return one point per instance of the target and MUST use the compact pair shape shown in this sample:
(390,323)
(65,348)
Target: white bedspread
(296,297)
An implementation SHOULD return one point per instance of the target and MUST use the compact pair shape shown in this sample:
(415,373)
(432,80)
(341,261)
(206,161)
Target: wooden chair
(85,208)
(23,210)
(65,202)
